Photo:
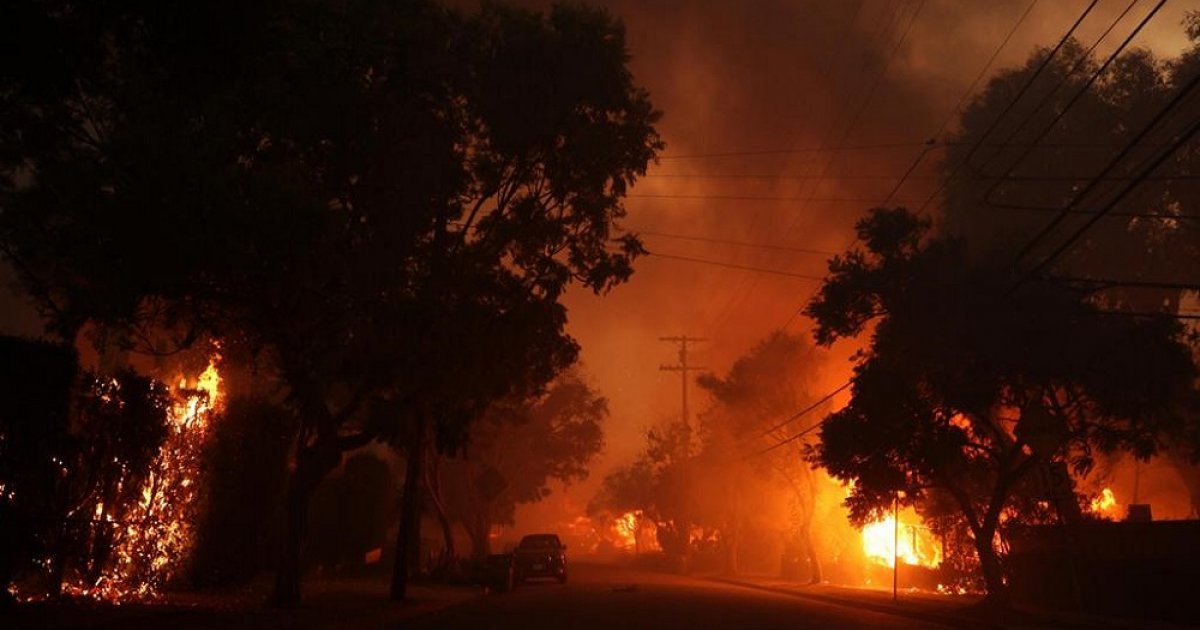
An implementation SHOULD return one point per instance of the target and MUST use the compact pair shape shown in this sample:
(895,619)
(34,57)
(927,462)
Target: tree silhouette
(971,383)
(516,450)
(1042,155)
(382,202)
(768,383)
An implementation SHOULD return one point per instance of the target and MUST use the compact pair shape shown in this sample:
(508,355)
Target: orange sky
(774,74)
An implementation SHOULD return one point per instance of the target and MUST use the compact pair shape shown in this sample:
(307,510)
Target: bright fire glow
(918,546)
(157,532)
(1105,504)
(626,529)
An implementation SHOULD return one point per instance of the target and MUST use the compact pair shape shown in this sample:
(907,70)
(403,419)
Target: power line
(718,263)
(912,144)
(719,241)
(797,436)
(1108,283)
(792,150)
(983,71)
(835,53)
(1074,99)
(760,198)
(941,128)
(1133,143)
(885,176)
(1183,139)
(1012,103)
(799,414)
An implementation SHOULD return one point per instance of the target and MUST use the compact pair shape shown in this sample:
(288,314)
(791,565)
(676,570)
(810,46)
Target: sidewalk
(950,610)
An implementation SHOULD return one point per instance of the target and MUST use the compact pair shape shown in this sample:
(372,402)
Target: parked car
(540,556)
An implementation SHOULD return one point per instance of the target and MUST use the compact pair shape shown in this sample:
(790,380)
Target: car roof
(540,537)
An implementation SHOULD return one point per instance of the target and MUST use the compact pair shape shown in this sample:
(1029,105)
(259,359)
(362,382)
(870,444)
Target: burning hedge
(102,503)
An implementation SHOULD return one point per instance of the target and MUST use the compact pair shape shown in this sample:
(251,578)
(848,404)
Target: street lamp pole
(895,546)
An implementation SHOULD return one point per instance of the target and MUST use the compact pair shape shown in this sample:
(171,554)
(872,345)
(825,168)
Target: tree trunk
(810,552)
(313,463)
(731,547)
(433,484)
(989,562)
(480,532)
(408,536)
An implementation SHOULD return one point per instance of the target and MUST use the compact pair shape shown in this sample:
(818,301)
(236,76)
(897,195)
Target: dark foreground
(606,597)
(596,597)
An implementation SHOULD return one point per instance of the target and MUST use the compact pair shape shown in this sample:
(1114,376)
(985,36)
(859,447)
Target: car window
(539,542)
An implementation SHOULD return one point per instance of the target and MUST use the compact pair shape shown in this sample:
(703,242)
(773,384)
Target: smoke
(735,77)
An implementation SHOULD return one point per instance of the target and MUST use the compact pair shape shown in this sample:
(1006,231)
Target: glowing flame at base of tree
(1105,504)
(917,545)
(155,536)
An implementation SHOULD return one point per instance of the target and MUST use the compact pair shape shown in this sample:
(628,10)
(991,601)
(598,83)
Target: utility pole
(683,368)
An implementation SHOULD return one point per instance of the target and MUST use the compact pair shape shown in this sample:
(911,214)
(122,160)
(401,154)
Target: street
(597,596)
(600,596)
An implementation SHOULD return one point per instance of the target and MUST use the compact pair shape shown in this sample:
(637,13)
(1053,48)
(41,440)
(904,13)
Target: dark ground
(597,596)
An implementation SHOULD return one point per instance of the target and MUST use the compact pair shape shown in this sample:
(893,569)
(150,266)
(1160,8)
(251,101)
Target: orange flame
(1105,504)
(917,545)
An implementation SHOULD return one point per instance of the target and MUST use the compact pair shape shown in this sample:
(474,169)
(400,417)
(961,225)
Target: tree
(657,485)
(769,383)
(446,178)
(972,381)
(245,464)
(516,451)
(1009,191)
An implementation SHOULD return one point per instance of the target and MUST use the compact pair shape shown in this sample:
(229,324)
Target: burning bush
(117,486)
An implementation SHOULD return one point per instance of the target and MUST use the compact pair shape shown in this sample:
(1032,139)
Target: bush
(245,477)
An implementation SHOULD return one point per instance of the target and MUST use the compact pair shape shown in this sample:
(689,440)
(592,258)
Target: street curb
(948,620)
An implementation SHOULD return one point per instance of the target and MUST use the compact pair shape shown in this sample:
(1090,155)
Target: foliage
(352,513)
(971,381)
(517,450)
(657,484)
(244,473)
(403,236)
(767,385)
(998,216)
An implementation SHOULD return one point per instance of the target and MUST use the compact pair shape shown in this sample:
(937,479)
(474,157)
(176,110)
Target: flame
(1105,504)
(156,534)
(918,547)
(626,527)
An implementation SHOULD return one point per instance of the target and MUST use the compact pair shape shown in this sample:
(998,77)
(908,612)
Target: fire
(1105,504)
(630,531)
(918,547)
(156,535)
(626,528)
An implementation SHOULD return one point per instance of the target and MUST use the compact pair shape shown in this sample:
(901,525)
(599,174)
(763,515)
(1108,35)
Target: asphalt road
(607,597)
(596,596)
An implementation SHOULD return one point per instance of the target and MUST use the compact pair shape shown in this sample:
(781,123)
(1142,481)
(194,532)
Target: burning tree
(120,482)
(398,244)
(971,386)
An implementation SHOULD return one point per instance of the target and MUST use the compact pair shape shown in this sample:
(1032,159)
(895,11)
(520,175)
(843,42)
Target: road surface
(607,597)
(597,596)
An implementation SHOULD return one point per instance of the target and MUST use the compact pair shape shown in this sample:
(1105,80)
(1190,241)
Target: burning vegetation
(128,525)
